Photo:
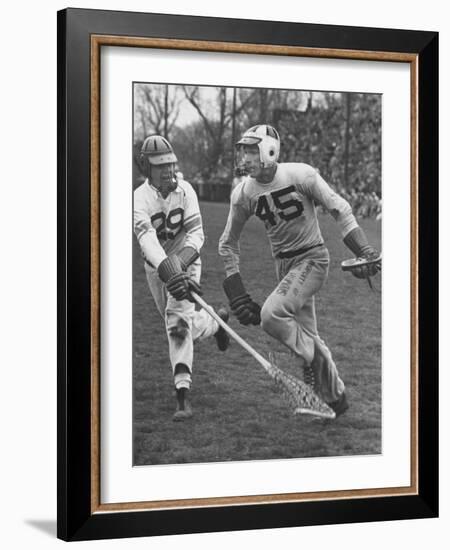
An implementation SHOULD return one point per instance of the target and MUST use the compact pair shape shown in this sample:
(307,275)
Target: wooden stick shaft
(264,362)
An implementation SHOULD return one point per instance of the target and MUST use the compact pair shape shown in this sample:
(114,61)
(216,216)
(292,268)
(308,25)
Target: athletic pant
(184,324)
(289,315)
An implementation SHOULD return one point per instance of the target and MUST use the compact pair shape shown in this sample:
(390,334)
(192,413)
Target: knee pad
(178,328)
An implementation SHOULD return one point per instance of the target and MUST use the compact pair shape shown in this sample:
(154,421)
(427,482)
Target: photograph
(245,306)
(257,285)
(224,291)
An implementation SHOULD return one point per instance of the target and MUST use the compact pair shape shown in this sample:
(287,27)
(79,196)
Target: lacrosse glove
(357,242)
(246,310)
(187,256)
(178,282)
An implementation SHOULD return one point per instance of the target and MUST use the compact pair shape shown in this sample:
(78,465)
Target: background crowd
(337,133)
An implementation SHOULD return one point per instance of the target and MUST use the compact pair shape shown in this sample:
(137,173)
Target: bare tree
(263,95)
(157,107)
(216,123)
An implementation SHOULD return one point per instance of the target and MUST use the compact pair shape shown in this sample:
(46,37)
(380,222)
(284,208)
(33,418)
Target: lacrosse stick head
(363,267)
(300,396)
(354,263)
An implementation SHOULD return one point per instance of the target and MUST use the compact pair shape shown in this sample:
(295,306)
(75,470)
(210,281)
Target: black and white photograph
(257,284)
(169,380)
(246,279)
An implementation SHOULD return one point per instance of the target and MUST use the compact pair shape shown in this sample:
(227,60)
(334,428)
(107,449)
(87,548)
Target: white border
(120,482)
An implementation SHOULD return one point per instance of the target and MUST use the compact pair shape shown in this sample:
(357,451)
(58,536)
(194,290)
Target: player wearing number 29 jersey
(164,226)
(168,227)
(284,197)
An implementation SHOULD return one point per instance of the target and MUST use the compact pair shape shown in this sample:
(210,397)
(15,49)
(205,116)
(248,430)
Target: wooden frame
(81,35)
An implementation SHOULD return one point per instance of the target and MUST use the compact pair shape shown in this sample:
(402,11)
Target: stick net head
(352,263)
(301,397)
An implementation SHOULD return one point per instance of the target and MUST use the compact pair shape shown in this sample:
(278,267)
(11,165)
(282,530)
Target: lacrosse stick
(352,263)
(356,265)
(300,396)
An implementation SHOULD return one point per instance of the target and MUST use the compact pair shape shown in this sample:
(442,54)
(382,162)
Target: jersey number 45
(286,208)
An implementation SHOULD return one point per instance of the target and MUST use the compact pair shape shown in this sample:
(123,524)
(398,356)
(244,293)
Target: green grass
(238,412)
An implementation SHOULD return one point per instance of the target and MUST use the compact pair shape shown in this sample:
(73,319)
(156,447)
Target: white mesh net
(299,395)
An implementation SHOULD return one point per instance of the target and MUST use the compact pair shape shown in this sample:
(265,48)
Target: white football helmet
(268,141)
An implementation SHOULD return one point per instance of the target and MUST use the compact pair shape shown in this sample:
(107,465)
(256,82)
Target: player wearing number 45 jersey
(284,197)
(168,226)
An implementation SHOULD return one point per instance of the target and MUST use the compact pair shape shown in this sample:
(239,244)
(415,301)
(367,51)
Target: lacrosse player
(168,226)
(284,197)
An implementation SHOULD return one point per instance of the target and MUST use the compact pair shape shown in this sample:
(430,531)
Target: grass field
(238,412)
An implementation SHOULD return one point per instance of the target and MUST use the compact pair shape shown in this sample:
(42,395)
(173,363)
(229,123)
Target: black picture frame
(78,517)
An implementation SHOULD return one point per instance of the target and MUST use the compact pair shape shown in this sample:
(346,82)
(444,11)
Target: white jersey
(165,226)
(287,206)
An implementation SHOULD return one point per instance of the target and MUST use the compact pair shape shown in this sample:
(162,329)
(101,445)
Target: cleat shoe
(221,336)
(340,405)
(180,415)
(184,409)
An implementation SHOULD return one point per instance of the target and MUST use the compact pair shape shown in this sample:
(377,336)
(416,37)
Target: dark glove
(368,270)
(178,282)
(180,285)
(187,256)
(246,310)
(357,242)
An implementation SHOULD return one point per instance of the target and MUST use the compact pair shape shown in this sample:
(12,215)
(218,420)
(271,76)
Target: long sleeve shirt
(287,206)
(165,226)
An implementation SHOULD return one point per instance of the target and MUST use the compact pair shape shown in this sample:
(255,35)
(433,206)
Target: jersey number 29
(264,212)
(172,222)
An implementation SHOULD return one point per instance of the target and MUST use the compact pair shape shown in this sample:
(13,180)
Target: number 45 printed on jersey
(278,204)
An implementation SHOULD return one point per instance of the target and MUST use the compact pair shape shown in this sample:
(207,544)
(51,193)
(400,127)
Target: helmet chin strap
(267,174)
(164,188)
